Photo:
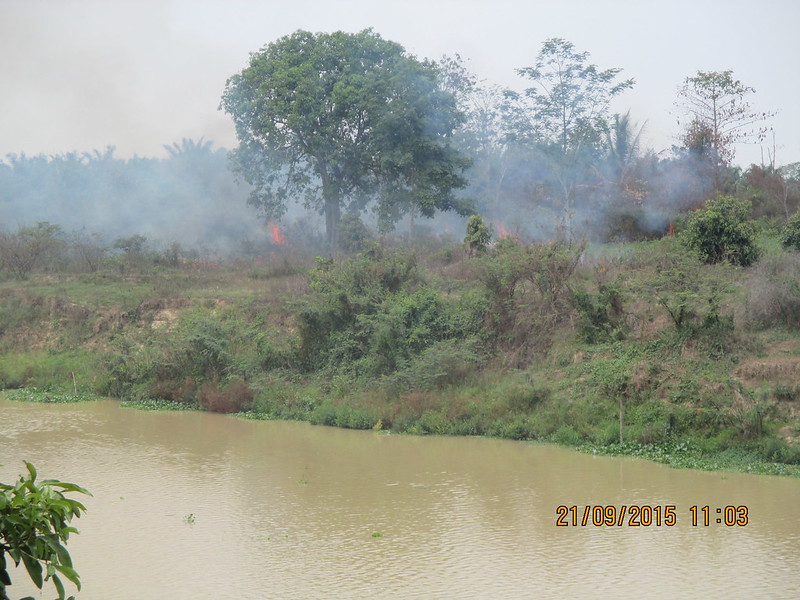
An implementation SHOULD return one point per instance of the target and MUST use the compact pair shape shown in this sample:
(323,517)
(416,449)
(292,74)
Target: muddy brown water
(197,505)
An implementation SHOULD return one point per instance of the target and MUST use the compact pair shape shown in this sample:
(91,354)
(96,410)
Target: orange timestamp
(645,515)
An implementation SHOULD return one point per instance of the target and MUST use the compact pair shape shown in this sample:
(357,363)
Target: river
(193,505)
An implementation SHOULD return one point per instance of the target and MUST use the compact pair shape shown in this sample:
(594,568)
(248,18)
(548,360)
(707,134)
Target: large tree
(568,103)
(559,122)
(719,114)
(339,119)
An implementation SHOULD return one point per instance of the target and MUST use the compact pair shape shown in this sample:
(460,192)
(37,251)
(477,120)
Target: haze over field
(79,75)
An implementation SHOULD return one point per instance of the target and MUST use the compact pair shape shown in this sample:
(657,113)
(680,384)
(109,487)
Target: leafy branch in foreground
(34,526)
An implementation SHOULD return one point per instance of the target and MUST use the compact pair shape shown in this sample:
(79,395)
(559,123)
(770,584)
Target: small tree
(722,231)
(34,526)
(23,251)
(478,235)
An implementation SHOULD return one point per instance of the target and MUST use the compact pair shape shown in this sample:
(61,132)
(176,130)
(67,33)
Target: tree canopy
(719,114)
(342,119)
(568,104)
(559,124)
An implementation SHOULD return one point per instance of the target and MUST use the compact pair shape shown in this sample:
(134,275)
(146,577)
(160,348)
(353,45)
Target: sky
(86,74)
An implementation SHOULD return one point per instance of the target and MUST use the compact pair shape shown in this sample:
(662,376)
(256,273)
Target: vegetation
(791,233)
(722,231)
(337,117)
(633,348)
(478,235)
(34,526)
(604,296)
(719,114)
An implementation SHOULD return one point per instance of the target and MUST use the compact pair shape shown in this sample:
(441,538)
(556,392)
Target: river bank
(685,454)
(633,349)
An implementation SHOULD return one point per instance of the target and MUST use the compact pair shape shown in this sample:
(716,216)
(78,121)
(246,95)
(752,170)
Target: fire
(503,233)
(277,235)
(671,230)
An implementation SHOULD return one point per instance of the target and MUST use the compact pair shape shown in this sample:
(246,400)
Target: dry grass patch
(774,369)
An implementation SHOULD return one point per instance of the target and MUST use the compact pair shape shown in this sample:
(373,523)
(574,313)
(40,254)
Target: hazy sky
(83,74)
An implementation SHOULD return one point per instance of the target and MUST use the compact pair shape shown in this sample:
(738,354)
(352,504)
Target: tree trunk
(332,209)
(332,216)
(411,212)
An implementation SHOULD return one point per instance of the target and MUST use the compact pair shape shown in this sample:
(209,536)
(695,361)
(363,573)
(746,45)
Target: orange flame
(277,235)
(503,233)
(671,230)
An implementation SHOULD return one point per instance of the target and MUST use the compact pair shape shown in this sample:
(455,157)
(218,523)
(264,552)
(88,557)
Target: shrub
(566,435)
(722,231)
(629,224)
(365,317)
(174,390)
(524,399)
(235,397)
(352,233)
(29,248)
(790,236)
(601,320)
(478,235)
(527,289)
(206,346)
(443,363)
(774,293)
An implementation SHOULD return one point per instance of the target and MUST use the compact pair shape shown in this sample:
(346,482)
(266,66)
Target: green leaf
(34,568)
(31,470)
(63,556)
(70,574)
(59,586)
(66,487)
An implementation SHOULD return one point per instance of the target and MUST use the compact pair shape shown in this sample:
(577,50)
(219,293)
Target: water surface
(288,510)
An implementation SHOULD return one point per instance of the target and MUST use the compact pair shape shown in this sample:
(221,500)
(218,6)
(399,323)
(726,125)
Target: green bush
(34,529)
(234,397)
(30,248)
(527,293)
(566,435)
(443,363)
(369,316)
(790,236)
(478,235)
(603,319)
(525,398)
(352,234)
(722,231)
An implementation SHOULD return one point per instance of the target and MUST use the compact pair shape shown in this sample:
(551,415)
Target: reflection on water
(287,510)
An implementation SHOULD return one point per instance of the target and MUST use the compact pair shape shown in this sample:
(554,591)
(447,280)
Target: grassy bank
(635,349)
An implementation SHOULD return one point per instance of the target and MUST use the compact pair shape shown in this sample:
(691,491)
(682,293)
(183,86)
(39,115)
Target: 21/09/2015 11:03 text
(634,515)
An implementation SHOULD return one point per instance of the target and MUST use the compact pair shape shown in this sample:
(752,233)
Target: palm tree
(623,144)
(188,148)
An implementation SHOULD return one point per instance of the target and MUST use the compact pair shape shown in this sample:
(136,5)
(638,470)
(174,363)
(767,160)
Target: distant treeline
(193,199)
(190,198)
